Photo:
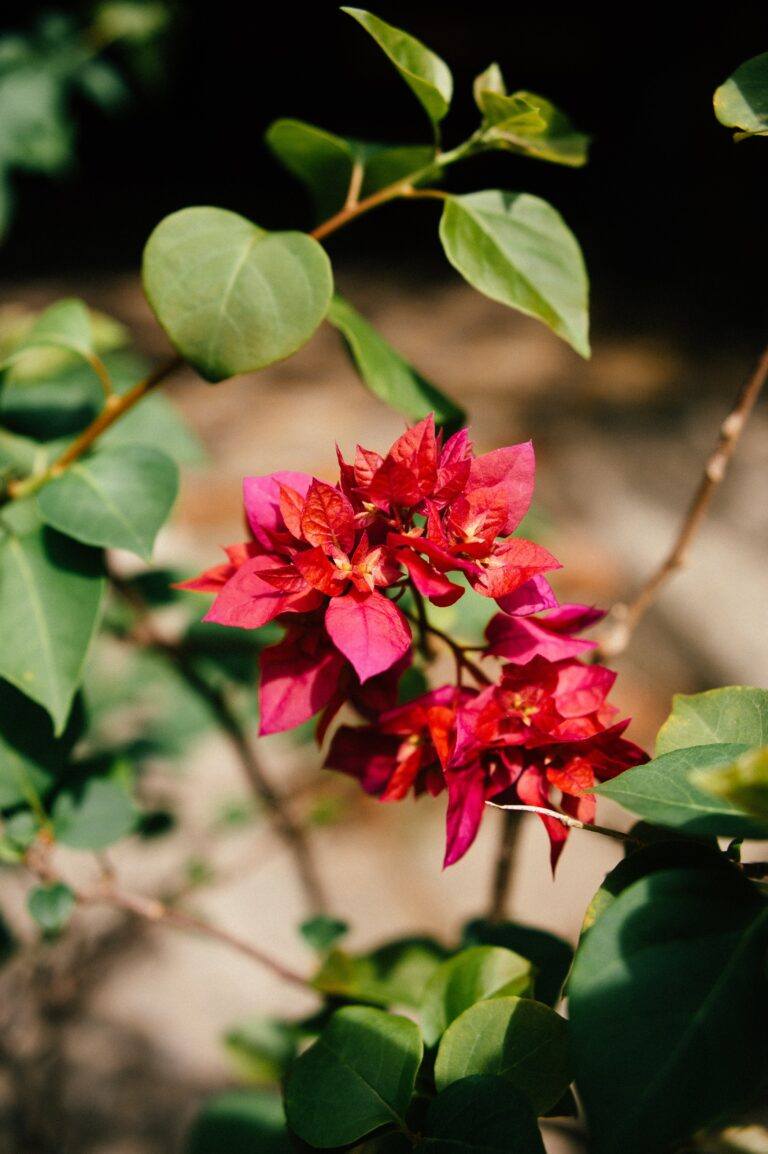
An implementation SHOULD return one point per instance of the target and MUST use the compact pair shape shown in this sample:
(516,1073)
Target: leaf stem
(459,652)
(566,819)
(625,618)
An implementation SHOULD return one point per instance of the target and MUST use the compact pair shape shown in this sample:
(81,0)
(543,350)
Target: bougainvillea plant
(340,591)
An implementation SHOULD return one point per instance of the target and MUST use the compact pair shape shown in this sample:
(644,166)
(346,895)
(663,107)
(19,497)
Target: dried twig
(625,618)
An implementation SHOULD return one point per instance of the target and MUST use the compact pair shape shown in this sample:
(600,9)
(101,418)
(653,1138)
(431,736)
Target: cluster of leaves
(41,73)
(419,1045)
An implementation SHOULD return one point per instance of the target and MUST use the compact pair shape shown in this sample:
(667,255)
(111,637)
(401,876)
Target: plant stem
(459,652)
(287,829)
(626,617)
(157,912)
(566,819)
(114,408)
(423,624)
(502,871)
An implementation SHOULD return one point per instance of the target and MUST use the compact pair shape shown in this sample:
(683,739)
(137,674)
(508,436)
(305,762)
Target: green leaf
(231,296)
(428,77)
(471,976)
(551,956)
(102,815)
(357,1076)
(523,1041)
(664,792)
(263,1049)
(156,424)
(51,906)
(65,325)
(386,373)
(742,782)
(516,249)
(525,122)
(395,974)
(30,756)
(742,101)
(117,497)
(482,1114)
(50,598)
(674,853)
(240,1122)
(324,161)
(737,714)
(322,932)
(662,984)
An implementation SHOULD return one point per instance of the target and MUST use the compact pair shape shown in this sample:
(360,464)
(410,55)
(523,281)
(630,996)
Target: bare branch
(625,618)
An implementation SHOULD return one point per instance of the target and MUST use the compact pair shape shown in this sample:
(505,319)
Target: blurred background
(116,1035)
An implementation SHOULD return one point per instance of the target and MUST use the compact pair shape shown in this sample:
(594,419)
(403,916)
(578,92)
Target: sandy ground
(619,442)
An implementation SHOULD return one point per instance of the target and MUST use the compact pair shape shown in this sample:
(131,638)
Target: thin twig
(458,650)
(625,618)
(422,624)
(157,912)
(290,832)
(355,184)
(566,819)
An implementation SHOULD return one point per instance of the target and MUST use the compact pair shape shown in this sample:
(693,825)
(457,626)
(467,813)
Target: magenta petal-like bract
(261,497)
(511,472)
(466,801)
(295,684)
(248,602)
(370,631)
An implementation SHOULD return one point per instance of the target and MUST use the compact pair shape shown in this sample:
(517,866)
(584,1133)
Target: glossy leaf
(50,598)
(30,756)
(427,76)
(386,373)
(516,249)
(101,815)
(742,782)
(737,714)
(664,792)
(231,296)
(550,955)
(742,101)
(395,974)
(240,1122)
(662,984)
(324,161)
(474,974)
(357,1076)
(157,424)
(523,1041)
(673,853)
(116,497)
(481,1115)
(51,906)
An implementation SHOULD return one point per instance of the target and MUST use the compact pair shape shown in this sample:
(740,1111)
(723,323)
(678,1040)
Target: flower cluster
(332,563)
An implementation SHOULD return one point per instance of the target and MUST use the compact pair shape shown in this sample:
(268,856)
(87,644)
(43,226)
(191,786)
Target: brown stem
(502,871)
(462,661)
(355,184)
(351,211)
(626,618)
(158,913)
(114,408)
(422,619)
(291,833)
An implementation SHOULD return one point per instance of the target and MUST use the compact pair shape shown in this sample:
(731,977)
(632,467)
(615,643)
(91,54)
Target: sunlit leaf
(742,101)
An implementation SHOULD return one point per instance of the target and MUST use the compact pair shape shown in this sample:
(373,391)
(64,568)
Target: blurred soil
(132,1040)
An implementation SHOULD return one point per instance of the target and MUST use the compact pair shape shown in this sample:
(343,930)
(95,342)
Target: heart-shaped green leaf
(471,976)
(231,296)
(101,815)
(668,1006)
(118,497)
(357,1076)
(428,77)
(518,250)
(386,373)
(51,906)
(737,714)
(550,956)
(523,1041)
(50,597)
